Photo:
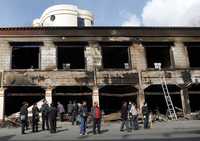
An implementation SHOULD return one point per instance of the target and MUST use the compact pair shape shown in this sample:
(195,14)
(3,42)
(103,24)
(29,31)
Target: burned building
(104,64)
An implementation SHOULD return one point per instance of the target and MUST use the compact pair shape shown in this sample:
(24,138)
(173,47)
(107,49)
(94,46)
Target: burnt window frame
(71,45)
(191,45)
(116,45)
(169,45)
(26,45)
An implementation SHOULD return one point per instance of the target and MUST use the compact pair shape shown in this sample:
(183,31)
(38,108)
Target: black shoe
(121,130)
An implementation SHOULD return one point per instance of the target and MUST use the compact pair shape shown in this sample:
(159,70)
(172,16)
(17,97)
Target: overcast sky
(109,12)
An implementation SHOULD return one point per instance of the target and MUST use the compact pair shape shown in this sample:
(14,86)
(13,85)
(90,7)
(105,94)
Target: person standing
(35,118)
(75,113)
(96,116)
(124,117)
(24,116)
(145,113)
(61,111)
(134,113)
(83,118)
(52,118)
(45,109)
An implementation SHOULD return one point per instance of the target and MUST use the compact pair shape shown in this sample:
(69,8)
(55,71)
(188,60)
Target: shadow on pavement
(6,138)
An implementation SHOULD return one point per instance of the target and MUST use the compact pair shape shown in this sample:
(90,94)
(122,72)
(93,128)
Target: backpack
(97,112)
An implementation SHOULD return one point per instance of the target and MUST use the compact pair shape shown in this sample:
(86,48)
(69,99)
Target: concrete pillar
(48,95)
(93,56)
(185,101)
(95,95)
(180,55)
(48,56)
(140,98)
(138,56)
(2,104)
(5,55)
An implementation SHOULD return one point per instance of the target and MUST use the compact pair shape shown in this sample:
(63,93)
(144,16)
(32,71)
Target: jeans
(83,125)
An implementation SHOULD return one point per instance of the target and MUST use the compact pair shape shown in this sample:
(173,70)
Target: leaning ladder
(168,99)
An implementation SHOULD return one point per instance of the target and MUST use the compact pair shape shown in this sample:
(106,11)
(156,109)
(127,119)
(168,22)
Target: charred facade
(103,64)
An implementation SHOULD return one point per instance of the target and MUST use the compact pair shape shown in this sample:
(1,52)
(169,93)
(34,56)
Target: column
(5,55)
(180,55)
(138,56)
(185,101)
(48,95)
(2,104)
(95,95)
(48,56)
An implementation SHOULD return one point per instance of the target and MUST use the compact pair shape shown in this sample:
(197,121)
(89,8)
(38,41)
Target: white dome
(64,15)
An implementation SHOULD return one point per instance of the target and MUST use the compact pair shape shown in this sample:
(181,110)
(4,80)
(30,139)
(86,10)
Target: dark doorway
(15,96)
(112,97)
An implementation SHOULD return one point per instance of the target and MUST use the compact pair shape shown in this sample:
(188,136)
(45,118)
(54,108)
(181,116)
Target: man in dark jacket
(45,109)
(24,116)
(52,118)
(124,117)
(35,118)
(96,116)
(145,113)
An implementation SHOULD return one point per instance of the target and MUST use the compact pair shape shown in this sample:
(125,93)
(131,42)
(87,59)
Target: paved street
(172,130)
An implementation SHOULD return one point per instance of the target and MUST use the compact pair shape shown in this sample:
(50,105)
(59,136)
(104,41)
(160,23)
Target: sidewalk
(110,131)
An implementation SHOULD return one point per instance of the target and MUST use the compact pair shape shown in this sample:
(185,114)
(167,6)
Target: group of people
(129,116)
(78,112)
(49,114)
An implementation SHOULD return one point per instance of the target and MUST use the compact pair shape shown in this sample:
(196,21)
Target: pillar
(185,101)
(180,55)
(2,104)
(48,56)
(140,98)
(5,55)
(95,95)
(48,95)
(138,56)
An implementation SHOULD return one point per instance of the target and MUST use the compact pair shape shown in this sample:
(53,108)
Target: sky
(108,12)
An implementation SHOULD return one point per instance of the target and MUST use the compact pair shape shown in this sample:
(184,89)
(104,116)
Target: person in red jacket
(96,115)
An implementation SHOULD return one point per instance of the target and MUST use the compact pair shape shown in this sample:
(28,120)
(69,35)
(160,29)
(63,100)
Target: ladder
(168,99)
